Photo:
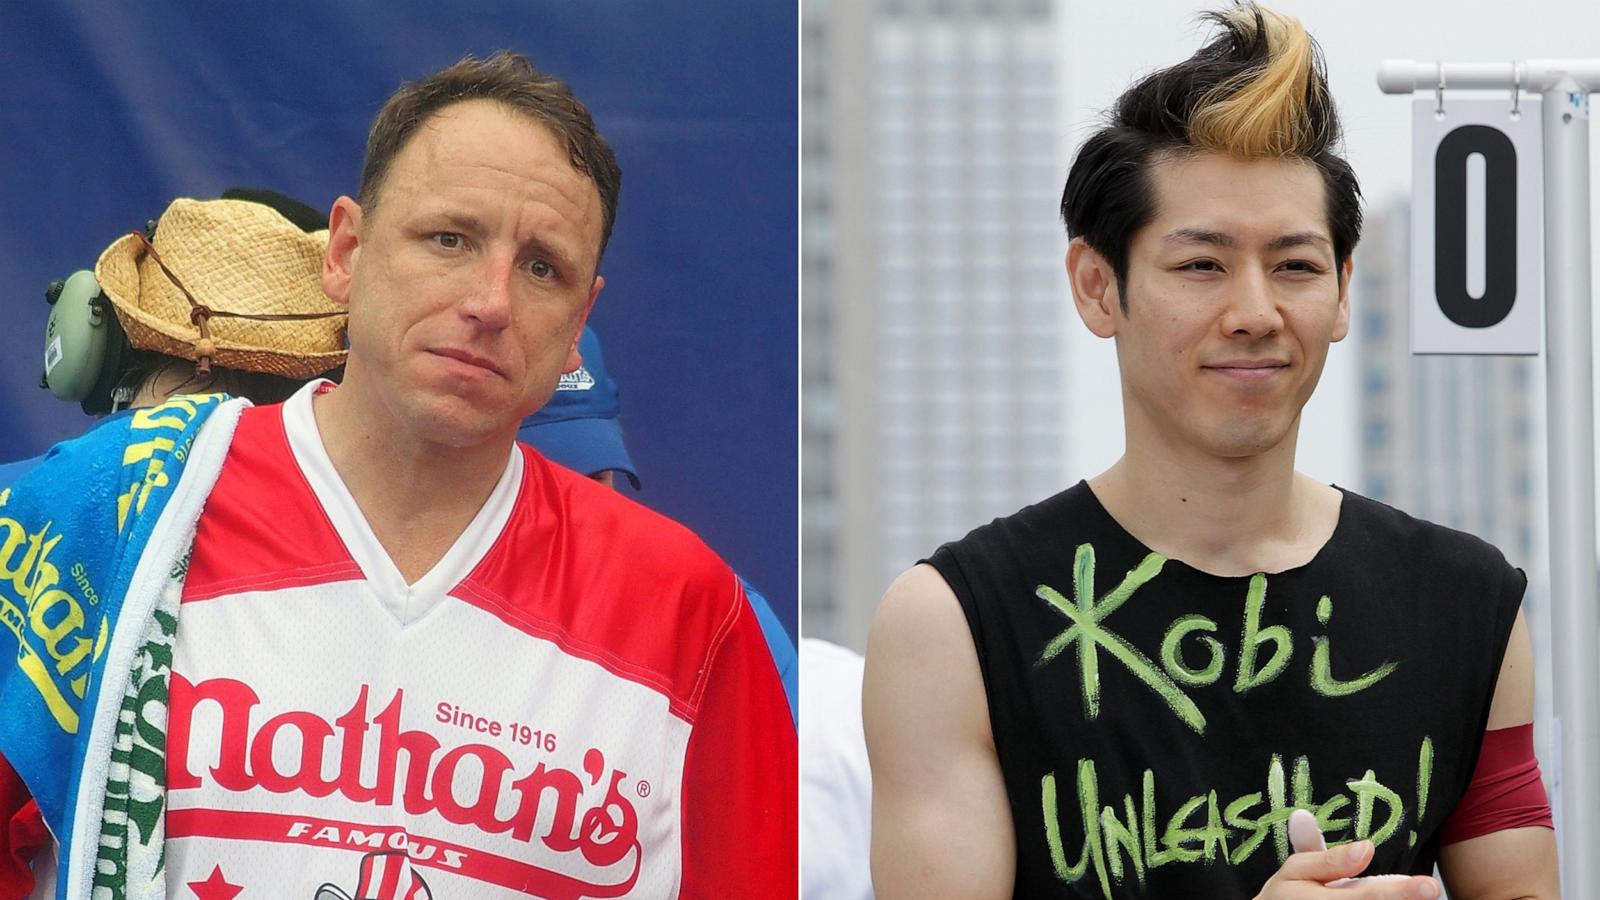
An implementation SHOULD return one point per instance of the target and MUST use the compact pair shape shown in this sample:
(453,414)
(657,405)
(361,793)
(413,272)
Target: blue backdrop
(110,110)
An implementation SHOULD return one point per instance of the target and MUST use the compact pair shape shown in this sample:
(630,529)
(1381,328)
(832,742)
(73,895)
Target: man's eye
(541,269)
(1201,265)
(449,240)
(1302,266)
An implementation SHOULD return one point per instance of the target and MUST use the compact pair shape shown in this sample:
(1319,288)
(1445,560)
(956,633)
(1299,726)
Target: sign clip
(1516,91)
(1438,110)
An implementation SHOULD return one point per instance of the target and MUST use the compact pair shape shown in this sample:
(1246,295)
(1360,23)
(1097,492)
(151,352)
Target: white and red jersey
(574,702)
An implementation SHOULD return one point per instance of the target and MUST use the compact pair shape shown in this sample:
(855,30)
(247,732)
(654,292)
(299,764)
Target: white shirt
(835,780)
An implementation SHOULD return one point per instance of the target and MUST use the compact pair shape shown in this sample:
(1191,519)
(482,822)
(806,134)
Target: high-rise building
(1452,439)
(1447,438)
(932,291)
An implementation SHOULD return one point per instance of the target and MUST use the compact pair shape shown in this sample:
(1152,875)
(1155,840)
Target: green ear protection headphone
(84,345)
(85,348)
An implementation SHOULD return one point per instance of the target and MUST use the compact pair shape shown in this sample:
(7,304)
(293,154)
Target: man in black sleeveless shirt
(1127,689)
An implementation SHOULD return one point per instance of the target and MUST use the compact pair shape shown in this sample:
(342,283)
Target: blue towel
(73,532)
(12,471)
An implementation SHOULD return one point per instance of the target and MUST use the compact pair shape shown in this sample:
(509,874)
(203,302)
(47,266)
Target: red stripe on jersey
(574,647)
(262,527)
(670,598)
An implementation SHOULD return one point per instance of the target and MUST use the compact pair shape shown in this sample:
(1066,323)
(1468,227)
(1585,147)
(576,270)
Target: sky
(1106,45)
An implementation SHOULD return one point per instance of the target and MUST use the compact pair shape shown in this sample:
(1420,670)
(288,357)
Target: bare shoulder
(920,643)
(941,821)
(919,616)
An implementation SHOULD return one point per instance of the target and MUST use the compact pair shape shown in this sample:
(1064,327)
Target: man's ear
(1341,326)
(1094,288)
(344,246)
(574,358)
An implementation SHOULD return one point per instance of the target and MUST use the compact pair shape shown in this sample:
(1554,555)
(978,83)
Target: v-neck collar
(406,603)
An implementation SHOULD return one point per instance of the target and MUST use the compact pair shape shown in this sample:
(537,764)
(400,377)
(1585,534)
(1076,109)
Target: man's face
(469,282)
(1232,299)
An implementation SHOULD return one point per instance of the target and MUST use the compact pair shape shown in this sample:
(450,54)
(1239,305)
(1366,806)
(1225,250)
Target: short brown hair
(507,78)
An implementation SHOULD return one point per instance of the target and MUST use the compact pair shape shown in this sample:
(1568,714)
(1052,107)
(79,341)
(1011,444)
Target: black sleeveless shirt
(1156,724)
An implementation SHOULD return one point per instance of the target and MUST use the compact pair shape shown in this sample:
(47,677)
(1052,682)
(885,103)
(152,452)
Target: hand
(1314,870)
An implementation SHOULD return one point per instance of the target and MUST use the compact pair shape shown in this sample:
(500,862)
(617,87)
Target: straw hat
(243,263)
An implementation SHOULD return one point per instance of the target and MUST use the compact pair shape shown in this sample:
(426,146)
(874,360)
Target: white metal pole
(1405,76)
(1569,366)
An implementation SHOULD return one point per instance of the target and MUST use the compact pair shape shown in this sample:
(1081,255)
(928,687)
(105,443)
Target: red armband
(1505,790)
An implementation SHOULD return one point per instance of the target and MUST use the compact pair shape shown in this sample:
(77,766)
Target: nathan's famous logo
(1256,664)
(470,784)
(1203,827)
(56,644)
(155,434)
(136,777)
(60,625)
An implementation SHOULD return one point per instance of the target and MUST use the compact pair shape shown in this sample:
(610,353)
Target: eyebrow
(1297,239)
(1222,239)
(459,220)
(1198,236)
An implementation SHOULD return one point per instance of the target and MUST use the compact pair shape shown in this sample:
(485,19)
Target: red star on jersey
(216,887)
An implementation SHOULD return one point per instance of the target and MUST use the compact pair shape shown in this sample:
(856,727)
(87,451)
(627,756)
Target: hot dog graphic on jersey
(384,876)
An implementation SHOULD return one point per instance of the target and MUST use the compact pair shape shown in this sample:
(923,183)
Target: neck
(166,381)
(1224,515)
(417,496)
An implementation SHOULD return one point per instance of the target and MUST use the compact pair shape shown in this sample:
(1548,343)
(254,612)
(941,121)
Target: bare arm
(1517,862)
(941,824)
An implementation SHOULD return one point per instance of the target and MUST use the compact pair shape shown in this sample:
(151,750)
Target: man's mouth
(1248,370)
(468,358)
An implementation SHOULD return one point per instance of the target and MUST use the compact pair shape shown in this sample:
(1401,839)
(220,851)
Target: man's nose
(1252,309)
(489,301)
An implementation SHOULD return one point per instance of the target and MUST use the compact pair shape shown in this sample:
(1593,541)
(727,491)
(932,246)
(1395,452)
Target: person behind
(581,428)
(260,249)
(835,778)
(267,254)
(409,651)
(1127,689)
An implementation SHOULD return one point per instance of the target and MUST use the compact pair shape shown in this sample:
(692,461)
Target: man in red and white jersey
(415,659)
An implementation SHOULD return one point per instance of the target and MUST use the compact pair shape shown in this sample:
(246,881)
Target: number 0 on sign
(1476,196)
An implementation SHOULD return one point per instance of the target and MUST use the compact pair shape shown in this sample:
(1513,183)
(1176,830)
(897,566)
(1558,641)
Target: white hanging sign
(1476,226)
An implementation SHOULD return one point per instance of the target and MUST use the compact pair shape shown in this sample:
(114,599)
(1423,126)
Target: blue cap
(578,428)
